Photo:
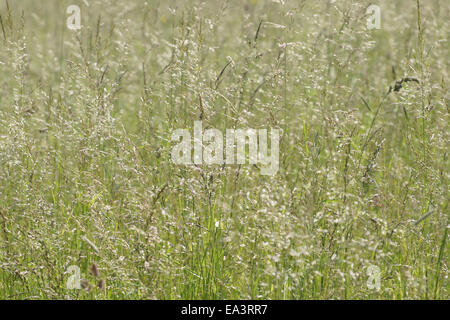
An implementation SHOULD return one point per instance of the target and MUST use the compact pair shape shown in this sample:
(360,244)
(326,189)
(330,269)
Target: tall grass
(86,177)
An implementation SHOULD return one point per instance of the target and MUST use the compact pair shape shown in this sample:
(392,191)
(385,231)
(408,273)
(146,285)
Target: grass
(86,177)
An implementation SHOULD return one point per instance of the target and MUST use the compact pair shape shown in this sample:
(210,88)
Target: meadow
(358,208)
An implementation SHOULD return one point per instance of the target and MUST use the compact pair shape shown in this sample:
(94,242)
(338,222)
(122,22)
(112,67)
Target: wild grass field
(87,181)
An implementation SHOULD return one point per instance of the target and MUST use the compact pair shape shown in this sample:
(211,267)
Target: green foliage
(86,176)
